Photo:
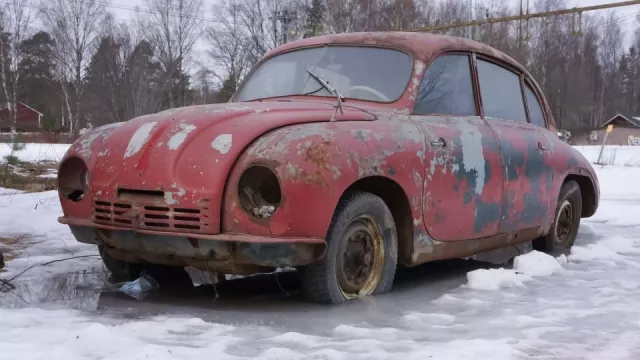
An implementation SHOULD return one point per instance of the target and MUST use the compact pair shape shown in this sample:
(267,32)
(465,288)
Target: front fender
(316,163)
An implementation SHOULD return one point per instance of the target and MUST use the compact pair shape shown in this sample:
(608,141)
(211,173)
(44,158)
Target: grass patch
(31,177)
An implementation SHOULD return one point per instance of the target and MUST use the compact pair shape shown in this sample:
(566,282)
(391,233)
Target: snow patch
(222,143)
(494,279)
(362,332)
(426,320)
(525,267)
(536,263)
(139,138)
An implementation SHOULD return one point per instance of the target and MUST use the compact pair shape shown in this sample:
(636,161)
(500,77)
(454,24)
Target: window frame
(471,61)
(506,67)
(526,81)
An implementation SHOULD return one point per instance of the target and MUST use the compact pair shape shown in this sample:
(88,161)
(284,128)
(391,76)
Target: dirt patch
(29,177)
(11,246)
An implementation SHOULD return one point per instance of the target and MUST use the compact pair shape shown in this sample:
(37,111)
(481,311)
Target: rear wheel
(168,277)
(361,252)
(564,229)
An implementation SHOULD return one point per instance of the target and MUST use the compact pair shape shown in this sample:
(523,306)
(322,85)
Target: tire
(362,226)
(566,222)
(168,277)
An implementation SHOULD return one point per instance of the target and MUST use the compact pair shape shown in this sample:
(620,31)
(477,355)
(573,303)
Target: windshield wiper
(332,91)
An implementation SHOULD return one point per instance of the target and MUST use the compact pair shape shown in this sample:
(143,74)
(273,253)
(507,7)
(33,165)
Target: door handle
(542,146)
(440,143)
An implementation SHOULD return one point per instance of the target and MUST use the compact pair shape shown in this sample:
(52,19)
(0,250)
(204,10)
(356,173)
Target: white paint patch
(169,199)
(222,143)
(419,67)
(138,139)
(473,157)
(411,132)
(178,138)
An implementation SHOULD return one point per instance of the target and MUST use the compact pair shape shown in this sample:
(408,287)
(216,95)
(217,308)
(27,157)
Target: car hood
(187,153)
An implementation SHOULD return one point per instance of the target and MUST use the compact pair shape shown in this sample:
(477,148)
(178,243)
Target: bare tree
(74,26)
(230,43)
(15,20)
(172,28)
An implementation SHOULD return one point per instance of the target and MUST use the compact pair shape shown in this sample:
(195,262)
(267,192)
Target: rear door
(462,189)
(525,150)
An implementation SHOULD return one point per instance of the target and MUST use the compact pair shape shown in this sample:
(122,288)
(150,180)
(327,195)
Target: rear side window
(447,88)
(501,92)
(535,109)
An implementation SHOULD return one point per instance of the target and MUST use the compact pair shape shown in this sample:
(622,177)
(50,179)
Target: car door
(462,189)
(525,150)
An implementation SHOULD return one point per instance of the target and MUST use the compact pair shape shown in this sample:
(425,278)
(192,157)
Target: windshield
(364,73)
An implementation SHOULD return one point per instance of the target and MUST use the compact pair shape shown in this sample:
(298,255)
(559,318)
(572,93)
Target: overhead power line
(575,10)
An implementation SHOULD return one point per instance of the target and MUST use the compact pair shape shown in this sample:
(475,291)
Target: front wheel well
(396,199)
(587,192)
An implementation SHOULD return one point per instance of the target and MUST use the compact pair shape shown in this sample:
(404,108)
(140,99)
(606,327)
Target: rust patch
(297,174)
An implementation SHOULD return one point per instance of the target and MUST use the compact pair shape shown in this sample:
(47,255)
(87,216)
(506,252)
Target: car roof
(420,45)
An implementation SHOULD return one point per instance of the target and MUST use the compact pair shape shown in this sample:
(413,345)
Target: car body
(450,142)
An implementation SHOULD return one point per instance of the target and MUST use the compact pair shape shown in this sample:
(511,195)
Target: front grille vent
(151,217)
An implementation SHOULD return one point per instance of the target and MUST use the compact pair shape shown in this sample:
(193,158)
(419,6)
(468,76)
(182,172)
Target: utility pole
(527,16)
(285,17)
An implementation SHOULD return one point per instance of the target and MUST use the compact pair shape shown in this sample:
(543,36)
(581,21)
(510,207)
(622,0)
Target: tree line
(79,64)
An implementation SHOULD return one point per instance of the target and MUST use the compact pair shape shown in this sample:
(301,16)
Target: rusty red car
(342,156)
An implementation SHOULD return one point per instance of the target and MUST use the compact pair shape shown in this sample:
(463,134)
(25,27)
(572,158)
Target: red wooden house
(29,119)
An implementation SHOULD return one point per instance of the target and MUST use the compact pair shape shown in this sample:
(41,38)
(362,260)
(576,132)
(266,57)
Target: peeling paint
(138,139)
(169,196)
(362,135)
(411,133)
(472,156)
(86,142)
(178,138)
(419,67)
(222,143)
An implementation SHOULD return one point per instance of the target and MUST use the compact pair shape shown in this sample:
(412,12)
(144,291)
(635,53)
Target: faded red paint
(490,185)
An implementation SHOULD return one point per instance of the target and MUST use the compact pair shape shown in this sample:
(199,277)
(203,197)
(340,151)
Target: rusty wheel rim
(564,222)
(360,258)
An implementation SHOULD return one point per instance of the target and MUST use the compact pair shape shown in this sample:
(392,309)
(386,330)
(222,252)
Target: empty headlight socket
(73,179)
(259,192)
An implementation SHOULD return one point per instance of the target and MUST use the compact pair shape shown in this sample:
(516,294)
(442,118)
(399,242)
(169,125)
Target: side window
(501,92)
(447,88)
(535,109)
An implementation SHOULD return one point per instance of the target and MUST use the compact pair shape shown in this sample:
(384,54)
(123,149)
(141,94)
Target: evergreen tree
(229,87)
(315,16)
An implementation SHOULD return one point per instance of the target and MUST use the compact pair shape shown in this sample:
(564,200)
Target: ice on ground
(611,249)
(32,235)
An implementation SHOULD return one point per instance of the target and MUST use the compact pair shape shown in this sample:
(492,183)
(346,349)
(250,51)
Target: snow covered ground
(586,306)
(36,152)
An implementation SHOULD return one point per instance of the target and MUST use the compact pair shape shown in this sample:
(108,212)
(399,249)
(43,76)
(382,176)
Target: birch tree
(15,20)
(172,28)
(230,45)
(75,27)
